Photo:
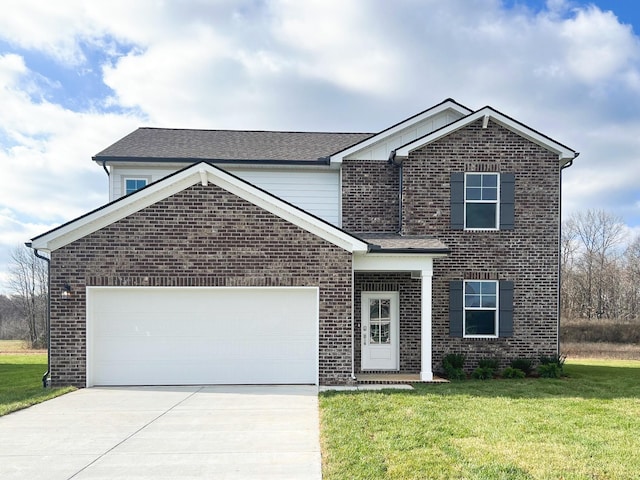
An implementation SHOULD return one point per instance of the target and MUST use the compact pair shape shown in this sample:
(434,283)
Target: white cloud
(571,72)
(598,46)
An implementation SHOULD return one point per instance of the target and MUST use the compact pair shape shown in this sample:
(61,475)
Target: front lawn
(21,381)
(584,426)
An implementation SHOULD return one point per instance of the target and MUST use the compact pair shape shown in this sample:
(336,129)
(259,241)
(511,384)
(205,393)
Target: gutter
(566,165)
(570,162)
(221,161)
(45,377)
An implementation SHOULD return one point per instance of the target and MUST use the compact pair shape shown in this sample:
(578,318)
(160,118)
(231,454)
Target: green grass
(585,426)
(21,382)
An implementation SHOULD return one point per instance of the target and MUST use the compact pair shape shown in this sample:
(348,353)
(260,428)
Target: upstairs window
(133,184)
(481,201)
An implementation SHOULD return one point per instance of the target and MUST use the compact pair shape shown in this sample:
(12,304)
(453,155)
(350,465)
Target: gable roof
(227,146)
(203,173)
(448,104)
(565,154)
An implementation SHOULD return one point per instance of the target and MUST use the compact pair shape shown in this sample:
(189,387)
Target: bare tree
(632,279)
(28,281)
(12,325)
(595,240)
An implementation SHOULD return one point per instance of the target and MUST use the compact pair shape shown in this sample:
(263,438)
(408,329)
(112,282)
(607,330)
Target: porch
(394,379)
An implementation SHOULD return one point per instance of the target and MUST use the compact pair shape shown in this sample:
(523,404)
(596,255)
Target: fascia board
(113,212)
(447,105)
(120,209)
(564,153)
(381,262)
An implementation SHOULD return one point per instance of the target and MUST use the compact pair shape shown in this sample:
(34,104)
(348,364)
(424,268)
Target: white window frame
(496,325)
(147,181)
(496,202)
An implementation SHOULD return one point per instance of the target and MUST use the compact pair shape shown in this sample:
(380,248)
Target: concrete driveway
(221,432)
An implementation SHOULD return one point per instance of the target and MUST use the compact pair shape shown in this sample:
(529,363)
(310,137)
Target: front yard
(584,426)
(21,380)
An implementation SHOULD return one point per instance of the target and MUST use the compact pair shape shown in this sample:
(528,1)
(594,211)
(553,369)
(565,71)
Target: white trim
(146,178)
(564,153)
(497,310)
(394,309)
(426,321)
(390,262)
(496,202)
(446,105)
(166,187)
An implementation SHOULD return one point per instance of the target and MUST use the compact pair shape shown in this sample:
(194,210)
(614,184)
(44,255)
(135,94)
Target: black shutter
(507,201)
(456,308)
(457,201)
(506,309)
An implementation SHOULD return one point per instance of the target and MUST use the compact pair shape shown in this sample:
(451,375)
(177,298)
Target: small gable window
(133,184)
(482,201)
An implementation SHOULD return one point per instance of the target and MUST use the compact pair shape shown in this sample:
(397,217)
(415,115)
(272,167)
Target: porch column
(426,374)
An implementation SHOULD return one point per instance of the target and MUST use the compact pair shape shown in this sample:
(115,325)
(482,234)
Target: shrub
(549,359)
(512,372)
(453,364)
(483,373)
(550,370)
(523,364)
(492,363)
(455,360)
(455,373)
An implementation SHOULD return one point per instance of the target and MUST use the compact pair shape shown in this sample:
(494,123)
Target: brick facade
(527,255)
(370,198)
(202,236)
(205,236)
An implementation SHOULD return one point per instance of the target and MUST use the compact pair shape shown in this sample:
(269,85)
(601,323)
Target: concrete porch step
(393,379)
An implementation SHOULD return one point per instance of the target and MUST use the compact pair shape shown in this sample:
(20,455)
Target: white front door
(380,330)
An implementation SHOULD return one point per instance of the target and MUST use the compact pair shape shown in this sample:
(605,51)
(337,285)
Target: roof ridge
(252,131)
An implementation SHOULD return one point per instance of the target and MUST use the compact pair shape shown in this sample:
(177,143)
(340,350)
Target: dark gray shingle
(226,145)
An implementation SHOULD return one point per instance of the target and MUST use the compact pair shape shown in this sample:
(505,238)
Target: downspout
(48,316)
(392,161)
(104,167)
(353,324)
(566,165)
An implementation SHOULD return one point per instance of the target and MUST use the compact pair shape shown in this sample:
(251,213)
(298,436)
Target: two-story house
(242,257)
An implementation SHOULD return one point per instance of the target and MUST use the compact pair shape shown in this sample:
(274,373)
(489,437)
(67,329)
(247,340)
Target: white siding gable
(316,191)
(381,149)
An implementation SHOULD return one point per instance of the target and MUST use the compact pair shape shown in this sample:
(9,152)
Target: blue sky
(75,76)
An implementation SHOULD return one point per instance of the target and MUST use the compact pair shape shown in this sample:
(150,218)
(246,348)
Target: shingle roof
(409,243)
(228,145)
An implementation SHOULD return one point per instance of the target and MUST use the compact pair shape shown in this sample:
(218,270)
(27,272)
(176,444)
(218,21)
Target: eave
(565,154)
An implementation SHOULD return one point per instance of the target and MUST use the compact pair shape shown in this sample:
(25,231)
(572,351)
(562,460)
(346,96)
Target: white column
(426,374)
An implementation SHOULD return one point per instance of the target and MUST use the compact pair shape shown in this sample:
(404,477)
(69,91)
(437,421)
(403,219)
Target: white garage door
(201,335)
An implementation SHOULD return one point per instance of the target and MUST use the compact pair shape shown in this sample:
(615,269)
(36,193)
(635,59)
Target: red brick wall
(527,255)
(202,236)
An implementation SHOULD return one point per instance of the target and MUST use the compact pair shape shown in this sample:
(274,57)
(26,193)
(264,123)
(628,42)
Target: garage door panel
(202,335)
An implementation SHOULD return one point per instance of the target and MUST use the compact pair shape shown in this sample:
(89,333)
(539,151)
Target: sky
(77,75)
